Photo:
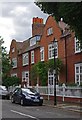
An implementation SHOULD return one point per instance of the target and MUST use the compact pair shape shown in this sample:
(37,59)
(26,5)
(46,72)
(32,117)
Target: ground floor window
(14,74)
(25,77)
(78,73)
(50,78)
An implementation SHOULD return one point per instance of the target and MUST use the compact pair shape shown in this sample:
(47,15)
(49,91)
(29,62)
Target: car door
(19,95)
(16,95)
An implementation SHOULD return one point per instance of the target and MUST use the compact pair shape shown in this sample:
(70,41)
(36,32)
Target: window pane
(77,46)
(25,59)
(49,31)
(42,53)
(80,69)
(32,56)
(14,60)
(77,78)
(81,78)
(77,69)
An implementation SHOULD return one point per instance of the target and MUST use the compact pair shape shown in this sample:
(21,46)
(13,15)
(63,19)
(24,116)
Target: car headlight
(41,97)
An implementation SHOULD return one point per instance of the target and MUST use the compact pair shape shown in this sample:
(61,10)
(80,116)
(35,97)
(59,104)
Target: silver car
(3,92)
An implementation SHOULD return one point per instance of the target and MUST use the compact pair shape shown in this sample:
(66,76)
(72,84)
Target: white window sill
(15,67)
(77,52)
(25,64)
(32,63)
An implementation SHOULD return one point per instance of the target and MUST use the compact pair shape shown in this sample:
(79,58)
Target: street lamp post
(55,101)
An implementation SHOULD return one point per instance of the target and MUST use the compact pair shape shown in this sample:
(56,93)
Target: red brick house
(40,48)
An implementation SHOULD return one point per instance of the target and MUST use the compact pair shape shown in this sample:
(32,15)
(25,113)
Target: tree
(4,60)
(10,81)
(58,66)
(6,65)
(70,11)
(0,59)
(39,73)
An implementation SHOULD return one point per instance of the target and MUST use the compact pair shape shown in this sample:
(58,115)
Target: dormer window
(34,40)
(50,31)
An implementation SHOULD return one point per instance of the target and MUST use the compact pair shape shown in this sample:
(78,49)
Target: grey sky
(16,20)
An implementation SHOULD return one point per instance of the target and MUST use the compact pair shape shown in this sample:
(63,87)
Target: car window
(19,91)
(16,90)
(32,90)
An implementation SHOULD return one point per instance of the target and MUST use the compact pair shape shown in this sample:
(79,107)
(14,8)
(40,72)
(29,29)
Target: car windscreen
(29,90)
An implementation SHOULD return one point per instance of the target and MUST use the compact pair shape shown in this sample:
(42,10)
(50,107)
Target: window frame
(42,53)
(52,51)
(50,78)
(24,77)
(14,74)
(14,60)
(78,73)
(32,57)
(25,59)
(49,31)
(77,45)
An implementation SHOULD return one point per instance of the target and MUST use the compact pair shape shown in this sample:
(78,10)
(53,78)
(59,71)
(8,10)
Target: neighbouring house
(39,47)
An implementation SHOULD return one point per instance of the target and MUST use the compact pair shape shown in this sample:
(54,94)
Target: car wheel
(22,102)
(12,100)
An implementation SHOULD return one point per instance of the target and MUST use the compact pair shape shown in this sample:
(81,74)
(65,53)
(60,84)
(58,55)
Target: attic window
(13,50)
(50,31)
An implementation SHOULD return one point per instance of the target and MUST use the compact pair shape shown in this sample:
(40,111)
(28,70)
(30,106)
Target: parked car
(26,96)
(4,94)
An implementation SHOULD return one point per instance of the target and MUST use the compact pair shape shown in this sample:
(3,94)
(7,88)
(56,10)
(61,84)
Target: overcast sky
(16,20)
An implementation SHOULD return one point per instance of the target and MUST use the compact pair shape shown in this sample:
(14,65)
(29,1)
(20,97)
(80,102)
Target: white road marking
(24,114)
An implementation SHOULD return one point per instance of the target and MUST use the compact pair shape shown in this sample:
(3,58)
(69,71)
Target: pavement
(67,106)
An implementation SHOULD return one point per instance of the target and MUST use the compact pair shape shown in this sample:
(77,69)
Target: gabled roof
(19,45)
(22,47)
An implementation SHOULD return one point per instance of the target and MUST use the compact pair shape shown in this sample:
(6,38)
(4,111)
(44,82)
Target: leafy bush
(10,81)
(71,84)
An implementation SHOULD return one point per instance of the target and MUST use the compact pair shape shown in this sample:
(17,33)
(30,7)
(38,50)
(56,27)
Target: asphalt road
(10,110)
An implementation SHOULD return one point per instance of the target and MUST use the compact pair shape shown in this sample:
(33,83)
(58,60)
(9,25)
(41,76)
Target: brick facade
(65,50)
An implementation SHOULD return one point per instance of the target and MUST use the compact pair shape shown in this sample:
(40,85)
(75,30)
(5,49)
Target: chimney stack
(37,26)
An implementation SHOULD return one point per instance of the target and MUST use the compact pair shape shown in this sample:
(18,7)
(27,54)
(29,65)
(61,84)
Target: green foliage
(33,74)
(39,70)
(1,42)
(81,84)
(70,11)
(10,81)
(6,65)
(58,65)
(71,84)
